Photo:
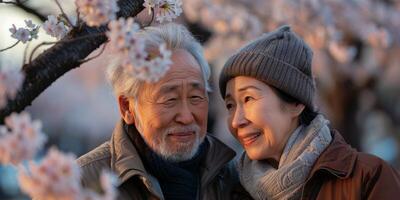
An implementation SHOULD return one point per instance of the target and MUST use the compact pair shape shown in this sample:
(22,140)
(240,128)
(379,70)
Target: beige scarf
(303,148)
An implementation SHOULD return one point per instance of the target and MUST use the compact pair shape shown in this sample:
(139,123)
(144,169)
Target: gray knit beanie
(280,59)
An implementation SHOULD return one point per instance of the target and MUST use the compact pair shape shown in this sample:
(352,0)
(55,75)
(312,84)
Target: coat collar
(217,156)
(126,162)
(338,158)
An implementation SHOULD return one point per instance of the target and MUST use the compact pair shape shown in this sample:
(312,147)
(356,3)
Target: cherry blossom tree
(57,175)
(356,64)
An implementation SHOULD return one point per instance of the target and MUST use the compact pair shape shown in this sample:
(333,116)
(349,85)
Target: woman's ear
(296,109)
(125,110)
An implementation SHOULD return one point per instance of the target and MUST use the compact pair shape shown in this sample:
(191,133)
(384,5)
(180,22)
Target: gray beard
(177,153)
(173,153)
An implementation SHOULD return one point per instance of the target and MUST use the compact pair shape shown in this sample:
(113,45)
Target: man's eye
(170,101)
(196,99)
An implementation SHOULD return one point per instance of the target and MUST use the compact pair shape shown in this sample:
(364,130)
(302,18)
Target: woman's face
(258,118)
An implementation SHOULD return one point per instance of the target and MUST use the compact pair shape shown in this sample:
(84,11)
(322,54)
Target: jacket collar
(338,158)
(126,162)
(217,156)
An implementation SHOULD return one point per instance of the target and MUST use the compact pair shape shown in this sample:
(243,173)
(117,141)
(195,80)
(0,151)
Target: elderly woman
(291,153)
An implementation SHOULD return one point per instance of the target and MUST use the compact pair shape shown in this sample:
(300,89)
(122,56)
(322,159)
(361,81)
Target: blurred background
(356,64)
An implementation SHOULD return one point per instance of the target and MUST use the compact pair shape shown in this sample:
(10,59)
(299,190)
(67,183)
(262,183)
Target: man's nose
(185,114)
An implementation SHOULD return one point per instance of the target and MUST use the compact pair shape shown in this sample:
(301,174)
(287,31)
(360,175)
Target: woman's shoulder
(374,169)
(378,177)
(365,164)
(372,164)
(357,173)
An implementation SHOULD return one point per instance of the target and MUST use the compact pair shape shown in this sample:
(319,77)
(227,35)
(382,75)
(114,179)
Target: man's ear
(125,110)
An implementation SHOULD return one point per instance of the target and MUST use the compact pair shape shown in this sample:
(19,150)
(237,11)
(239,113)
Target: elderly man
(160,149)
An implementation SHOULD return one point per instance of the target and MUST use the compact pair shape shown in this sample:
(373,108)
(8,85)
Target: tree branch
(1,50)
(62,57)
(21,4)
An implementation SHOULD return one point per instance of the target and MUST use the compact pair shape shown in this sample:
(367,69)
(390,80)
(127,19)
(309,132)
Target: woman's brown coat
(343,173)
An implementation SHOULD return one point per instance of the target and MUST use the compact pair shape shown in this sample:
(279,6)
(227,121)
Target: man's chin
(177,152)
(188,139)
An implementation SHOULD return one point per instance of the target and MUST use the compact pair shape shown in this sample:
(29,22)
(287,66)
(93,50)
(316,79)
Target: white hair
(175,37)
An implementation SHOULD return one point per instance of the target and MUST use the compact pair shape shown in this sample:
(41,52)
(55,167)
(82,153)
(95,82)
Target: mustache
(177,129)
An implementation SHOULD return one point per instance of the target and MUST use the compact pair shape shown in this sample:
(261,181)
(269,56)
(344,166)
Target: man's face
(171,114)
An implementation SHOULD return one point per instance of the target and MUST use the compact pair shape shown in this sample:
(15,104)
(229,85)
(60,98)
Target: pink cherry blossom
(20,138)
(97,12)
(151,4)
(13,29)
(25,34)
(108,181)
(55,28)
(129,47)
(165,10)
(152,70)
(22,35)
(57,176)
(29,23)
(10,82)
(168,10)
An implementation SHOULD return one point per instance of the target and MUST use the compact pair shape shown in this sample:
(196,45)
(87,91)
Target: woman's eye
(229,106)
(247,99)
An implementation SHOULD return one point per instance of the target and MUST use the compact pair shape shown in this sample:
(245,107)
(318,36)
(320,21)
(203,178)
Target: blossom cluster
(130,48)
(25,34)
(57,176)
(165,10)
(328,25)
(97,12)
(10,82)
(155,68)
(20,138)
(54,27)
(223,19)
(232,24)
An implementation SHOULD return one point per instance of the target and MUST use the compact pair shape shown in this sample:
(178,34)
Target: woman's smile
(249,138)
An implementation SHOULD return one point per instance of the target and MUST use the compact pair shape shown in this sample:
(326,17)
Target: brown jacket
(218,178)
(343,173)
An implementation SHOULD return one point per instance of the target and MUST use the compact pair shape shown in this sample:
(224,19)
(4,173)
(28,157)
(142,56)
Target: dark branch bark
(31,11)
(26,8)
(62,57)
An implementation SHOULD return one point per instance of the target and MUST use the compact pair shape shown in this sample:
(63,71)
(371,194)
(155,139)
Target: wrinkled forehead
(184,71)
(184,67)
(176,85)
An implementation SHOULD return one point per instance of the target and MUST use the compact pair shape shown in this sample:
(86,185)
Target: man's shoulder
(93,162)
(217,143)
(230,176)
(97,155)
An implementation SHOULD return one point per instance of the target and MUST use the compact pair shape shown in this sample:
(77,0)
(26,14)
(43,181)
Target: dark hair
(308,113)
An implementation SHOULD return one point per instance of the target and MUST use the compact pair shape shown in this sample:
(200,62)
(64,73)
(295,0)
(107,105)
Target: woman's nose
(239,119)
